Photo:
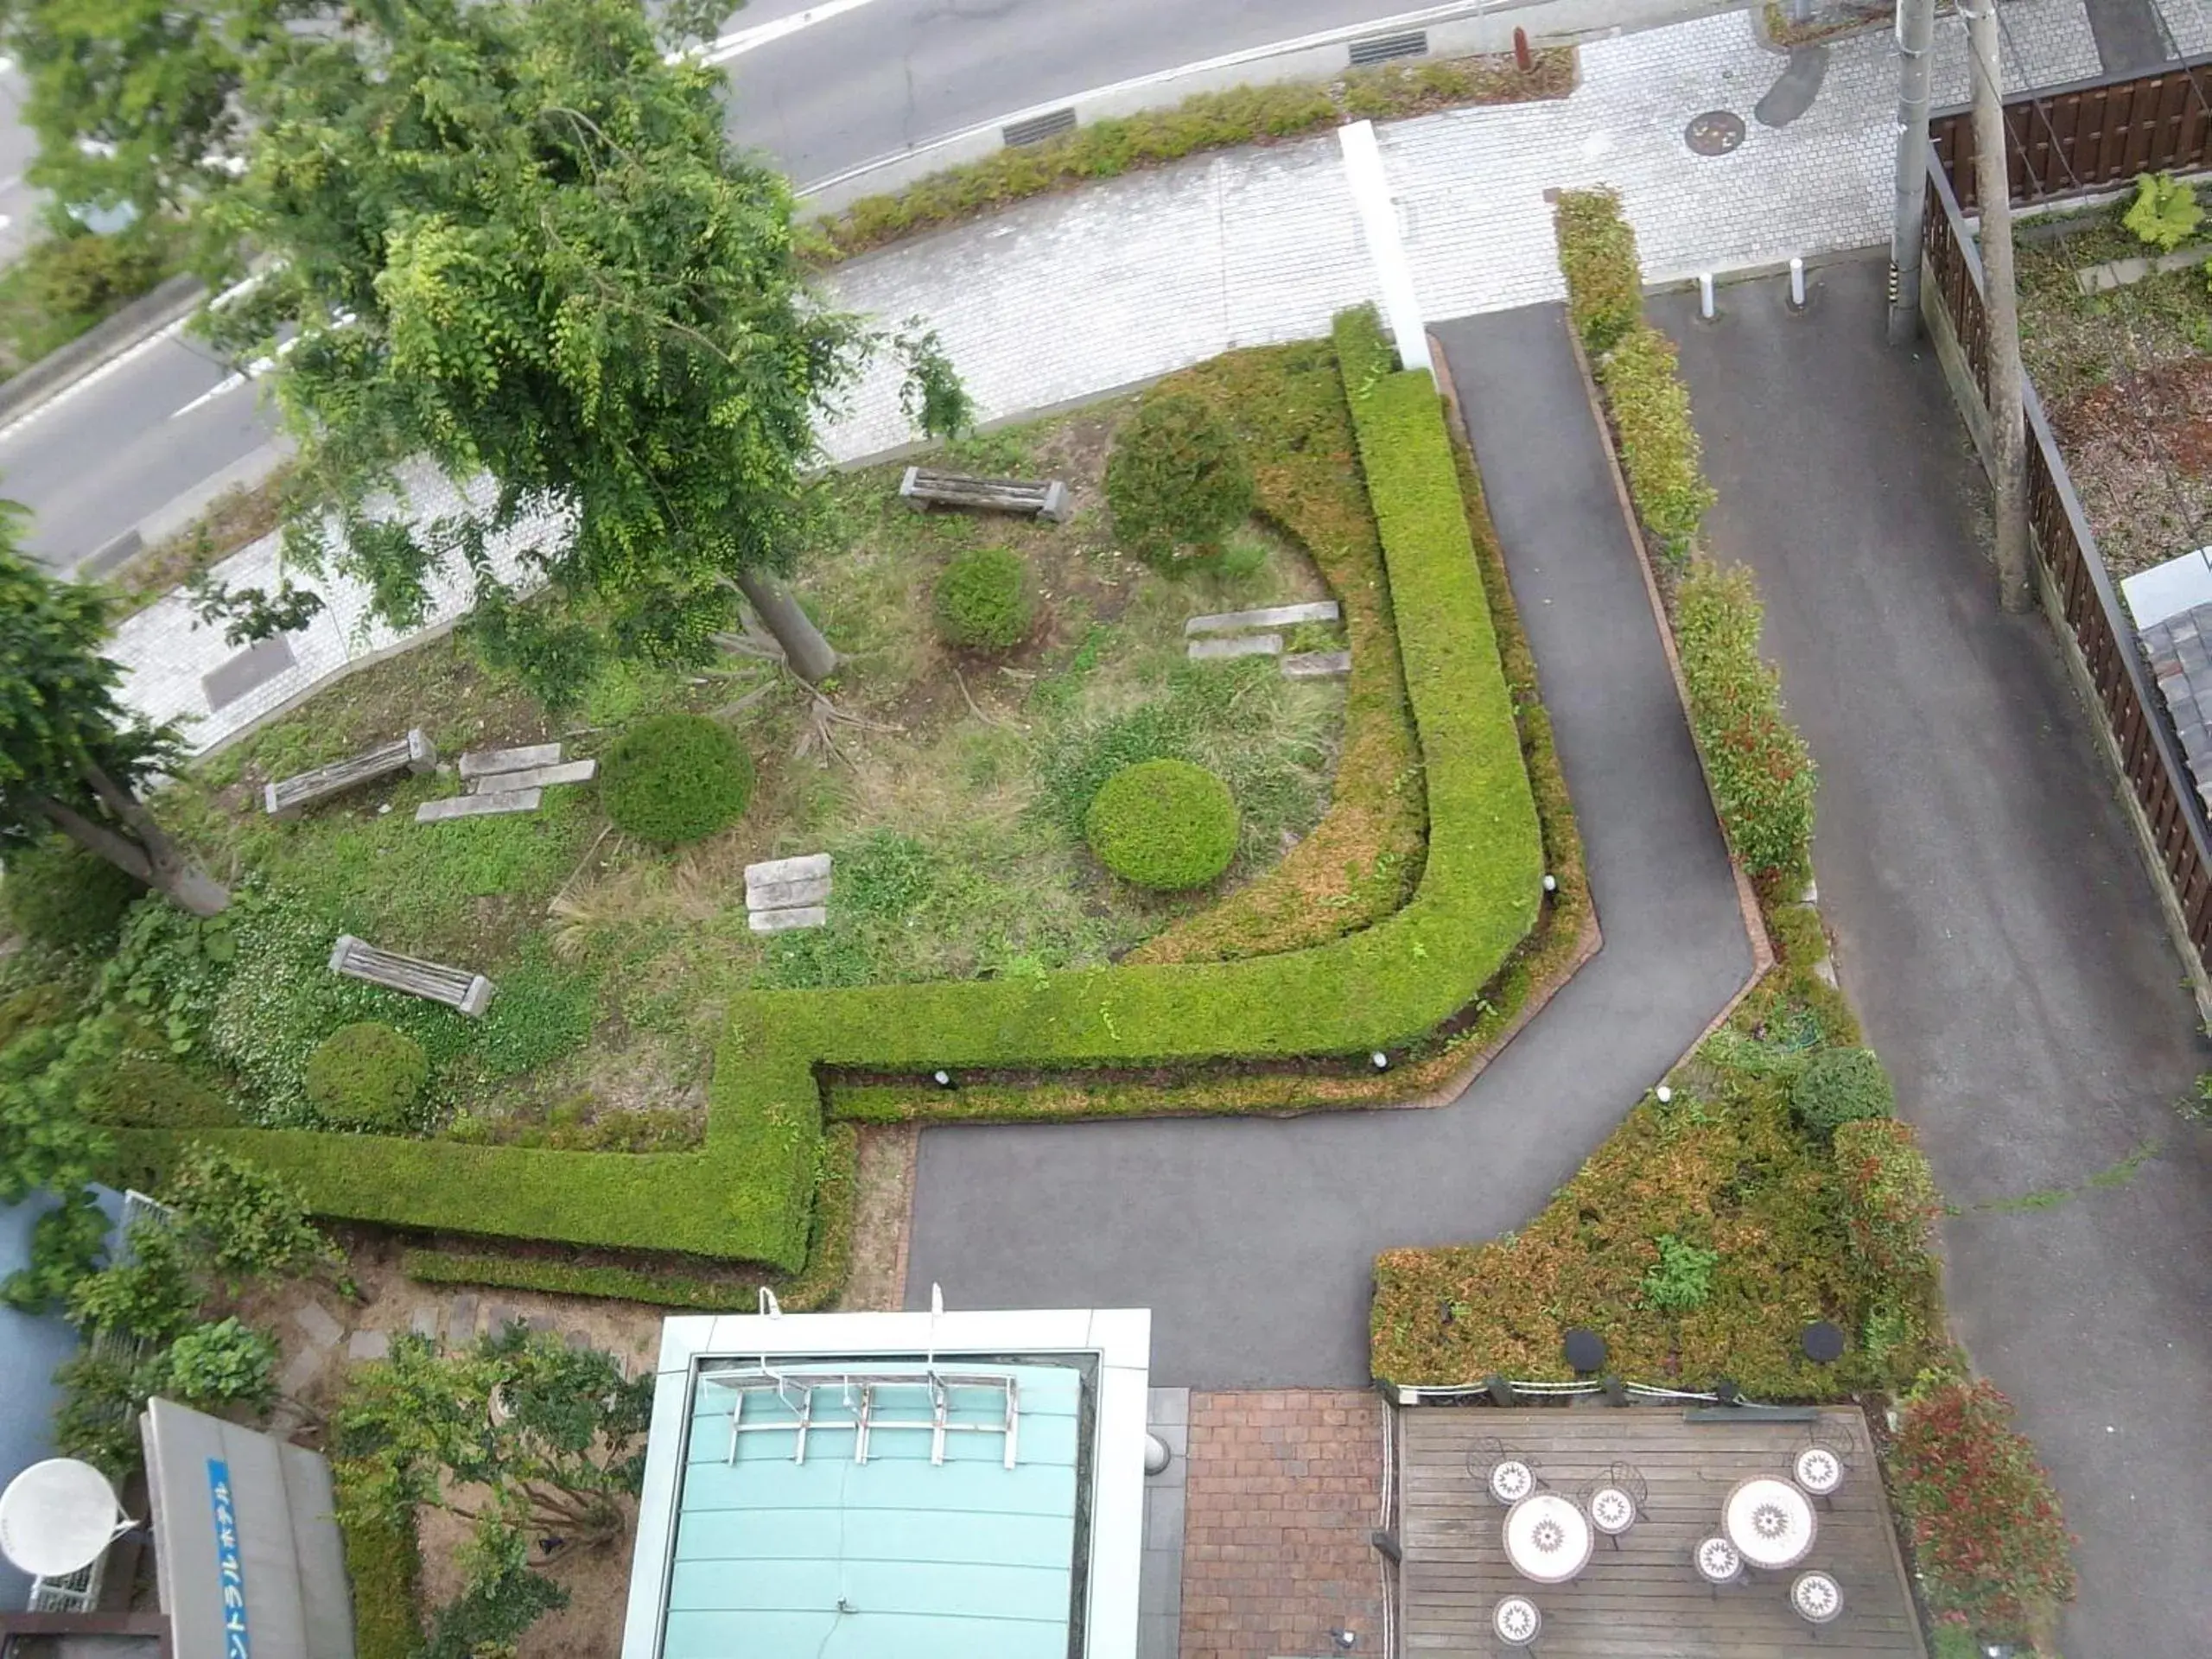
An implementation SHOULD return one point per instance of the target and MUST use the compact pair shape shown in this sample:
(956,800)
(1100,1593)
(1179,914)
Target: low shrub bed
(385,1563)
(1243,115)
(675,778)
(1699,1240)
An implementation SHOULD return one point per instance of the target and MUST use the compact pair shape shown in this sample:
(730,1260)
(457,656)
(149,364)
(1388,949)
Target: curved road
(1251,1239)
(838,83)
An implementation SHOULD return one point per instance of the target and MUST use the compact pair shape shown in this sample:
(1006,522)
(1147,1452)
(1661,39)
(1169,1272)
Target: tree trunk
(812,657)
(2007,421)
(147,852)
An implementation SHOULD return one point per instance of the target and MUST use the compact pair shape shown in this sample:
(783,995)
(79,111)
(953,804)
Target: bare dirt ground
(883,1209)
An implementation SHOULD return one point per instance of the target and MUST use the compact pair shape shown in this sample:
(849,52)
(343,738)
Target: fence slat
(2086,136)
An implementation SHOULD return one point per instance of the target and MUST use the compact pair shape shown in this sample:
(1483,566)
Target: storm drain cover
(1714,133)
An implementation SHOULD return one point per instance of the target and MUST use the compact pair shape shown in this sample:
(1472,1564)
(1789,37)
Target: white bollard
(1705,295)
(1797,284)
(1378,223)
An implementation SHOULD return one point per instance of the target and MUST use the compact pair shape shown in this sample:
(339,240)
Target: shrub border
(748,1193)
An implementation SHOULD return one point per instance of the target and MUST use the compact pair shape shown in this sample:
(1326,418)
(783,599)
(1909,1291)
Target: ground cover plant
(2124,376)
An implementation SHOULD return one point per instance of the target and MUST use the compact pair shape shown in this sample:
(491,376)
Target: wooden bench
(922,489)
(456,989)
(289,797)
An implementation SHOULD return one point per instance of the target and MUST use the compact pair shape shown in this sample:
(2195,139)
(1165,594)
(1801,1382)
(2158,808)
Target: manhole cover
(1714,133)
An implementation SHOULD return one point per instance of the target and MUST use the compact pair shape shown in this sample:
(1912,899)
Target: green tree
(71,758)
(514,239)
(551,1436)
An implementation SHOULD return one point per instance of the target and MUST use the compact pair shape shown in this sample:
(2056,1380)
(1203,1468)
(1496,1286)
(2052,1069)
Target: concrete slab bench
(454,987)
(787,892)
(923,488)
(1247,645)
(289,797)
(485,804)
(486,763)
(561,772)
(1276,616)
(1316,664)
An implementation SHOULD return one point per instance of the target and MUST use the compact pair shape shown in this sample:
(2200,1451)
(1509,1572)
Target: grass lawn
(2125,377)
(949,788)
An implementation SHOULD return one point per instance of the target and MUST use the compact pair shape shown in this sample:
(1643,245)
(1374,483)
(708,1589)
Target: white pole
(1797,283)
(1705,295)
(1378,222)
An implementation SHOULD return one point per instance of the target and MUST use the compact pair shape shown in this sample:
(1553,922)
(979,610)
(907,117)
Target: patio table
(1547,1538)
(1770,1523)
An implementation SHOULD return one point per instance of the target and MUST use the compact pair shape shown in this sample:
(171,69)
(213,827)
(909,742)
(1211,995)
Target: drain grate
(1714,133)
(1038,128)
(1383,47)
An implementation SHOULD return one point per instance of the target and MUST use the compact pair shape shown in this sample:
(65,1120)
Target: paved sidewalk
(1994,925)
(1253,1241)
(1073,295)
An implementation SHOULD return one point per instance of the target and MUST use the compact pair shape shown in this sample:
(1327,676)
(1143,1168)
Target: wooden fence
(2089,136)
(2149,754)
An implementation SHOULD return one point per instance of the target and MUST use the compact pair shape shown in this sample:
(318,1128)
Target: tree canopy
(515,240)
(72,758)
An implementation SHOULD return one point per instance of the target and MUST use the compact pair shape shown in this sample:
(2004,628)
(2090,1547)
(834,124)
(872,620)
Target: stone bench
(454,987)
(787,892)
(922,488)
(289,797)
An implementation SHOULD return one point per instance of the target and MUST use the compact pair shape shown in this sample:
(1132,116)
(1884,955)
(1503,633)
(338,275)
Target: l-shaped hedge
(746,1193)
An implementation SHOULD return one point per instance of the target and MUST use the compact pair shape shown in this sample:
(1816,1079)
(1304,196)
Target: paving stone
(508,783)
(461,1318)
(485,763)
(1245,645)
(367,1345)
(478,806)
(424,1323)
(315,1324)
(1316,664)
(579,1340)
(256,665)
(811,867)
(539,1321)
(300,1371)
(1275,616)
(497,1316)
(784,921)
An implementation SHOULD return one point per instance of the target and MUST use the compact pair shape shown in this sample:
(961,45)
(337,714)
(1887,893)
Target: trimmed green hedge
(385,1562)
(1178,481)
(982,600)
(1660,452)
(746,1193)
(365,1076)
(828,1258)
(56,893)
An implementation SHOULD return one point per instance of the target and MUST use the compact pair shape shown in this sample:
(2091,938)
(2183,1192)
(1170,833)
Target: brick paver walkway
(1076,294)
(1283,1489)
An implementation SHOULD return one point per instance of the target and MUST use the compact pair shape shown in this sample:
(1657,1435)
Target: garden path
(1251,1240)
(1994,925)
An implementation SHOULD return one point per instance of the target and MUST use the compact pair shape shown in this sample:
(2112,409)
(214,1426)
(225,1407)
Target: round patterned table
(57,1516)
(1510,1481)
(1517,1622)
(1770,1522)
(1817,1598)
(1613,1512)
(1547,1538)
(1818,1469)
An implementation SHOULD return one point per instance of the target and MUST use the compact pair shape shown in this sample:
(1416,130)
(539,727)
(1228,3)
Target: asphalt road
(1252,1240)
(1994,925)
(870,79)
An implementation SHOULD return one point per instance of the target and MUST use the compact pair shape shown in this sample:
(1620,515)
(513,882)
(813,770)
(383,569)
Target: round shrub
(365,1077)
(57,893)
(1164,824)
(1178,481)
(674,779)
(982,600)
(1840,1086)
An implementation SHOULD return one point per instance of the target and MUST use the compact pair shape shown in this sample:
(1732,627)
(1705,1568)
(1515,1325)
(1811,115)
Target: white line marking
(747,40)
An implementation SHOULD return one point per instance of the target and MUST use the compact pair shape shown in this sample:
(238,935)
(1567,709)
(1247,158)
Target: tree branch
(97,839)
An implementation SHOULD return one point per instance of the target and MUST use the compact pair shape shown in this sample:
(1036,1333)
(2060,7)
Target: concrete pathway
(1995,926)
(1252,1240)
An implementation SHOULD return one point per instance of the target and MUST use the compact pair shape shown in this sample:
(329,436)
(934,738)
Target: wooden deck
(1645,1601)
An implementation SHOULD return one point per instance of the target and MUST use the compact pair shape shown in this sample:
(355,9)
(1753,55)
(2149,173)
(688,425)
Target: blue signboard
(235,1644)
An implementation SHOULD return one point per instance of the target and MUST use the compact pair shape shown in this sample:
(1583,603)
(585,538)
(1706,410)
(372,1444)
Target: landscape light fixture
(1551,884)
(1662,1094)
(1379,1060)
(942,1079)
(1346,1640)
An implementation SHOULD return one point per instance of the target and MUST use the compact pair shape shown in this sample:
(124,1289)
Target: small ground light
(1379,1060)
(1662,1093)
(1551,884)
(1345,1640)
(942,1079)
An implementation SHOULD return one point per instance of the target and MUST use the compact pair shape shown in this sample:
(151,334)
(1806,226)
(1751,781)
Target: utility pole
(1915,34)
(2007,420)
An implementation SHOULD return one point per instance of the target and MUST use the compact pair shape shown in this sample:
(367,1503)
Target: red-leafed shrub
(1988,1538)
